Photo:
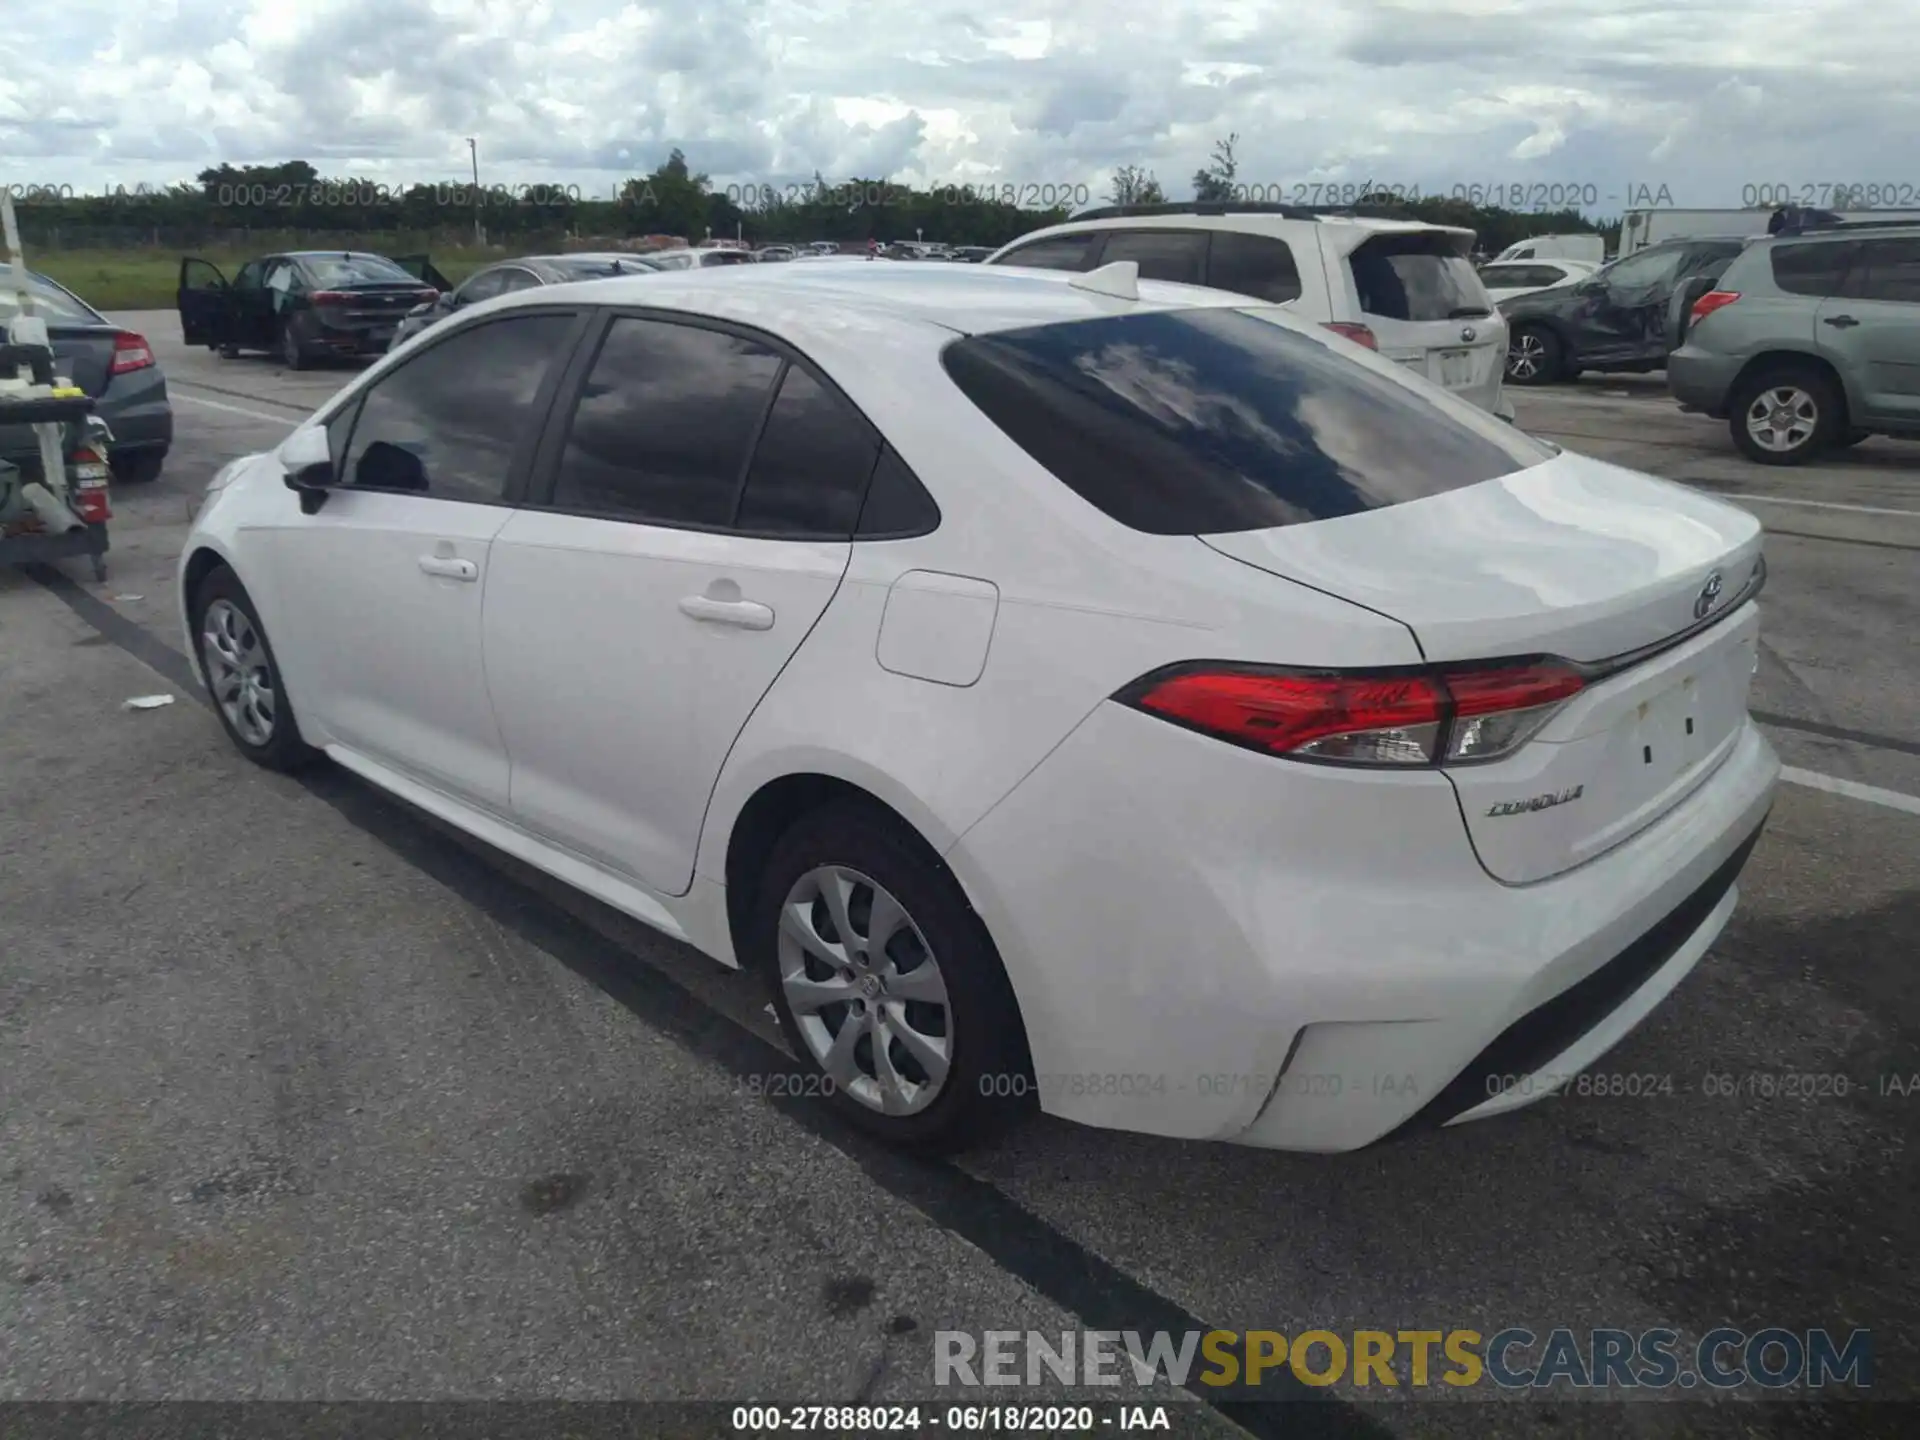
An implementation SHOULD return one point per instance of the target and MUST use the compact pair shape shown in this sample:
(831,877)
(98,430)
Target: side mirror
(307,463)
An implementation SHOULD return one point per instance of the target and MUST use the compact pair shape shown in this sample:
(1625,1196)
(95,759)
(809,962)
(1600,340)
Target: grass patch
(148,279)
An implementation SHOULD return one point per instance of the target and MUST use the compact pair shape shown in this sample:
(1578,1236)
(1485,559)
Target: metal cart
(60,509)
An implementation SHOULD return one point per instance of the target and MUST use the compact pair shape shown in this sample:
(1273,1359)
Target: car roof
(961,299)
(1247,222)
(329,255)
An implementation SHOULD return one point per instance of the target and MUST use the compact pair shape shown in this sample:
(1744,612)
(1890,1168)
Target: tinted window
(448,421)
(517,279)
(897,503)
(1179,255)
(663,423)
(354,270)
(1649,267)
(1887,270)
(249,276)
(1508,276)
(1810,269)
(1062,252)
(1417,277)
(811,467)
(1196,421)
(1256,265)
(483,286)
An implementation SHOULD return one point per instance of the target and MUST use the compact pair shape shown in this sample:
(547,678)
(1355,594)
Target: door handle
(1841,322)
(747,614)
(448,566)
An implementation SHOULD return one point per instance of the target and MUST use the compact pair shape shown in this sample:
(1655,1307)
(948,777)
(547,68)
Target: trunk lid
(84,352)
(1417,290)
(1582,560)
(370,306)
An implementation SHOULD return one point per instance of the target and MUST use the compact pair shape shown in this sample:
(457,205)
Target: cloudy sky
(1704,97)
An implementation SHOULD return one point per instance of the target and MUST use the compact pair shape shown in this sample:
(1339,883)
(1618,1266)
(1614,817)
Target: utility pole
(479,235)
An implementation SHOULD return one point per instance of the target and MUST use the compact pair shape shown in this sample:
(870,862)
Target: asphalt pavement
(303,1096)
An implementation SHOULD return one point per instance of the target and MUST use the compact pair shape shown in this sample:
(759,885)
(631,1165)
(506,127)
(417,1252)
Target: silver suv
(1809,340)
(1402,288)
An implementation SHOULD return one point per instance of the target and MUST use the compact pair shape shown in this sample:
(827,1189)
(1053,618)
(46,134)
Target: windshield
(1195,422)
(1417,277)
(50,302)
(355,270)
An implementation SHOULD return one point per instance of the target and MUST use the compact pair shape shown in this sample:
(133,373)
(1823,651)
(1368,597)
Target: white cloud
(1704,96)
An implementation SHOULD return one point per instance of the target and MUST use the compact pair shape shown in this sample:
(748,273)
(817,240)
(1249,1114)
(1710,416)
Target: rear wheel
(1784,416)
(137,467)
(886,983)
(1534,356)
(292,354)
(243,677)
(226,351)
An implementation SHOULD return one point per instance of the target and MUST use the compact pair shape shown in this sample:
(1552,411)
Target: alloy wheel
(1526,356)
(1782,418)
(238,671)
(866,993)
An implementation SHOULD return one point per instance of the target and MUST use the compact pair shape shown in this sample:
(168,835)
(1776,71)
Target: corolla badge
(1709,593)
(1538,802)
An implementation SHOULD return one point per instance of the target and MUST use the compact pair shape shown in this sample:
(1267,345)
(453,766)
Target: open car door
(421,268)
(203,302)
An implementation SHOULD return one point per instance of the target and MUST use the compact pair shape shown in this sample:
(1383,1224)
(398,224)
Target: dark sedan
(112,364)
(304,305)
(1614,319)
(507,276)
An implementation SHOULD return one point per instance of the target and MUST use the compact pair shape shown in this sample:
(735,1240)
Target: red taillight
(88,473)
(426,297)
(1411,717)
(1711,301)
(331,297)
(1359,334)
(130,352)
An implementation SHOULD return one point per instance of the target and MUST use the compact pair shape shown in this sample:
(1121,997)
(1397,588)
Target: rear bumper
(1225,946)
(1700,380)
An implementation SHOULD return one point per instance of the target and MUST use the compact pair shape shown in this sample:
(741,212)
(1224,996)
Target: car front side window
(449,422)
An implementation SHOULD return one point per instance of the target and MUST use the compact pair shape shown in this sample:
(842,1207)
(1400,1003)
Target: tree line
(676,200)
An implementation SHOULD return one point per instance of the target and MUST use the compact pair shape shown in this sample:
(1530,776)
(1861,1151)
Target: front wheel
(1534,356)
(886,983)
(1784,416)
(243,677)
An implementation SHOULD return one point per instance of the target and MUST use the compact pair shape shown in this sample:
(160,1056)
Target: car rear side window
(447,423)
(1177,255)
(1811,269)
(663,424)
(1194,422)
(811,467)
(1887,269)
(1058,252)
(1417,277)
(1256,265)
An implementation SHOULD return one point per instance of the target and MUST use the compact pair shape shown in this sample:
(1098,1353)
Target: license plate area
(1456,368)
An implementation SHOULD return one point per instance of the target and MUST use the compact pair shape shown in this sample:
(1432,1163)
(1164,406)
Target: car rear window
(1417,277)
(355,270)
(1196,422)
(49,301)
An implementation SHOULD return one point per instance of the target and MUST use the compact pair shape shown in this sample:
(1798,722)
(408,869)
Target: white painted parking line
(1805,504)
(236,410)
(1852,789)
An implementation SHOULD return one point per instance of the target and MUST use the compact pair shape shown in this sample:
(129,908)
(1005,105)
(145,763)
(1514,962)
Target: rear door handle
(747,614)
(448,566)
(1842,322)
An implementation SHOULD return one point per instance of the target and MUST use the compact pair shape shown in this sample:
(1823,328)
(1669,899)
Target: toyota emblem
(1709,592)
(1469,334)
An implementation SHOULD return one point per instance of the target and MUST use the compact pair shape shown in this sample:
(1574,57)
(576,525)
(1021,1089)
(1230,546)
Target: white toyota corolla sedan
(1064,689)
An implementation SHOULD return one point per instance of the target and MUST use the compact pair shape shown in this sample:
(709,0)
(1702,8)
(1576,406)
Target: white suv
(1402,287)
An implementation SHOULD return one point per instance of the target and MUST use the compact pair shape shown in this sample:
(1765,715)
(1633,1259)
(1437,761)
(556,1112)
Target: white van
(1403,288)
(1590,248)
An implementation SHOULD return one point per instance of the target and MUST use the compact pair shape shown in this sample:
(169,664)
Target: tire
(988,1080)
(137,467)
(225,351)
(222,601)
(1795,405)
(1535,356)
(292,355)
